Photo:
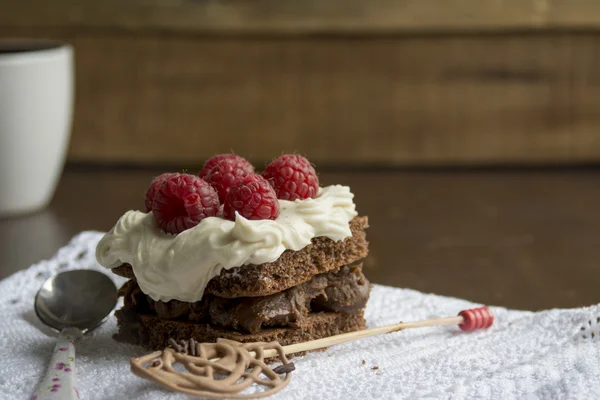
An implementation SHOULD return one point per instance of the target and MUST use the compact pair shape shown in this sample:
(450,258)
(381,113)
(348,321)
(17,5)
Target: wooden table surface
(520,239)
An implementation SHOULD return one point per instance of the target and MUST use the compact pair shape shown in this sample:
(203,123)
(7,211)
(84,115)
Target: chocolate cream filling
(344,291)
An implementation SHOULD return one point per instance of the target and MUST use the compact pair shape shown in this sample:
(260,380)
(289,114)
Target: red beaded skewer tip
(476,318)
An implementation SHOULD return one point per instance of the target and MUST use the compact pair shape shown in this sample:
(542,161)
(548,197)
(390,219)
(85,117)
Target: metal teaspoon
(72,302)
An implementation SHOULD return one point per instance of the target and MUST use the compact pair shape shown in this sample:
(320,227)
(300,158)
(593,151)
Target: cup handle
(60,380)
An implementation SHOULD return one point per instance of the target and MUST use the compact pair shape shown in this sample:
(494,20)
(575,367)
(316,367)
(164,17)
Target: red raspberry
(154,185)
(224,158)
(253,198)
(182,201)
(225,170)
(292,177)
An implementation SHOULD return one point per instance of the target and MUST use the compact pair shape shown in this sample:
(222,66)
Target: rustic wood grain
(308,16)
(177,81)
(393,101)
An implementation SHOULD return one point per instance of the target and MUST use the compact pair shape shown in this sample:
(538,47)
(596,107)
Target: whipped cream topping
(180,266)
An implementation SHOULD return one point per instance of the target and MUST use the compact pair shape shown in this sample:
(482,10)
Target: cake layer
(345,290)
(291,269)
(152,332)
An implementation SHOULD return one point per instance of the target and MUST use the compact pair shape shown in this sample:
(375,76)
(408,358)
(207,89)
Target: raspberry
(225,170)
(253,198)
(224,158)
(292,177)
(154,185)
(182,201)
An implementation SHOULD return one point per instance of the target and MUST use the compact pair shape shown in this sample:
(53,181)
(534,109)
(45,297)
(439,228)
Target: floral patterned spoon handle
(60,380)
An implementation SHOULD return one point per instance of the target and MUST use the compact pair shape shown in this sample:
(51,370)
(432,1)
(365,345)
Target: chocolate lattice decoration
(215,370)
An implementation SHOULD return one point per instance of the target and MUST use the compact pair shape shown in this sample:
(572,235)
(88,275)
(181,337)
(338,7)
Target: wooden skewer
(160,368)
(467,320)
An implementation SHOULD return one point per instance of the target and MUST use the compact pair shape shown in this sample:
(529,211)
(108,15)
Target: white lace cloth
(552,354)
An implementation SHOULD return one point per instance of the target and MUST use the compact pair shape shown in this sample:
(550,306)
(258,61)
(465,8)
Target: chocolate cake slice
(326,304)
(232,254)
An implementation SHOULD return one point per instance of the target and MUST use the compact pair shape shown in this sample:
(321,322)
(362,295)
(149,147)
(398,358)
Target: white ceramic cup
(36,108)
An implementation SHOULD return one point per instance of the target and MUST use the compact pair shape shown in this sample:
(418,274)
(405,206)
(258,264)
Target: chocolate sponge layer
(152,332)
(345,290)
(290,269)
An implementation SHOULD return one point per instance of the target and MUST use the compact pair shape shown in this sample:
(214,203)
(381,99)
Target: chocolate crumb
(173,344)
(192,347)
(374,367)
(284,369)
(363,362)
(184,346)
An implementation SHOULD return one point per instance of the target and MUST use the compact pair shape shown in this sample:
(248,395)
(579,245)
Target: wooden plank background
(175,82)
(304,17)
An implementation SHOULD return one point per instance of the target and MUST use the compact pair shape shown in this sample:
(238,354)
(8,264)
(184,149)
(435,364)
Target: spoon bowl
(80,298)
